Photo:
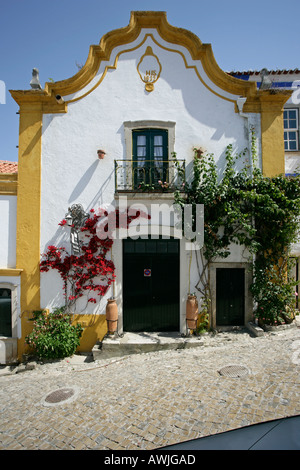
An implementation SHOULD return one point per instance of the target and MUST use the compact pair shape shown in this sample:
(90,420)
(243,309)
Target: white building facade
(147,91)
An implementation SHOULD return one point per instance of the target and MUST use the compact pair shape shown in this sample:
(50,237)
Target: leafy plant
(252,210)
(204,315)
(53,336)
(146,187)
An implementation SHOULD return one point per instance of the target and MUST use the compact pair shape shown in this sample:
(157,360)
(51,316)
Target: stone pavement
(151,400)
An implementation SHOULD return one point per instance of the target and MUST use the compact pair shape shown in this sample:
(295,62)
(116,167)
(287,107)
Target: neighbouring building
(278,80)
(146,91)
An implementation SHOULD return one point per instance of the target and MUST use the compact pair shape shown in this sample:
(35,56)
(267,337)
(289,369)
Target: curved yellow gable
(126,35)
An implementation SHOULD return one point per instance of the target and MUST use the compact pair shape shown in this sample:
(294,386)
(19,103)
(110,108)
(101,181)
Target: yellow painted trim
(10,272)
(193,67)
(272,143)
(114,66)
(28,210)
(149,84)
(122,36)
(47,102)
(8,184)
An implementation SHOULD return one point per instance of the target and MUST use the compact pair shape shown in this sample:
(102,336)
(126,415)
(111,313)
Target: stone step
(136,343)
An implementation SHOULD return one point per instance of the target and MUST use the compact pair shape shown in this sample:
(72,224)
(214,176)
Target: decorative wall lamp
(101,154)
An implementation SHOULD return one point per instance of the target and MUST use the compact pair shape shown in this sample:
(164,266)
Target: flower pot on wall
(101,154)
(112,315)
(192,312)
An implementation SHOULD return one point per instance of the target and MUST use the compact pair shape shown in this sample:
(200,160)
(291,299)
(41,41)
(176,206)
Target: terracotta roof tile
(8,167)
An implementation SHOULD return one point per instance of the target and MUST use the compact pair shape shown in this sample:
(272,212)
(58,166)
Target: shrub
(53,336)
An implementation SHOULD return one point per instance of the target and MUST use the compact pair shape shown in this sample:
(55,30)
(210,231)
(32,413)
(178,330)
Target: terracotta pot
(112,315)
(101,154)
(192,312)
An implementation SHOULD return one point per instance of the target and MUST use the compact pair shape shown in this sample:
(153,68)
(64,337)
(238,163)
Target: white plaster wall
(292,162)
(8,217)
(71,171)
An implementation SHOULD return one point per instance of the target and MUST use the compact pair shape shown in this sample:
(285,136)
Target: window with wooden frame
(291,129)
(150,157)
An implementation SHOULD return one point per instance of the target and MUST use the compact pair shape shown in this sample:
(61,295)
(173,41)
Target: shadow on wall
(85,181)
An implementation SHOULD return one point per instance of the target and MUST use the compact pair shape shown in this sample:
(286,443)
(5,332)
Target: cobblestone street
(146,401)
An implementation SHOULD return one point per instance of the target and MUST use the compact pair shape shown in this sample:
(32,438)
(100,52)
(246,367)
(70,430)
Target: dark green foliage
(53,336)
(252,210)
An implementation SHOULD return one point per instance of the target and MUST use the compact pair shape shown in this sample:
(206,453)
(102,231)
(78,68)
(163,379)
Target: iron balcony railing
(149,175)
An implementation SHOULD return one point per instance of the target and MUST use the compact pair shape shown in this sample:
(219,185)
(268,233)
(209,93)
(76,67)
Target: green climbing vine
(249,209)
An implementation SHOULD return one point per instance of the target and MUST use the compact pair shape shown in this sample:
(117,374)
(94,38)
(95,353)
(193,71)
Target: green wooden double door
(151,285)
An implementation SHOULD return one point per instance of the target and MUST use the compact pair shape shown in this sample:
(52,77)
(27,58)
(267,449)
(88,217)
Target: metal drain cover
(234,371)
(62,395)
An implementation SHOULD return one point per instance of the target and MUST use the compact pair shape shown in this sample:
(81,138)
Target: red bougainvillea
(90,271)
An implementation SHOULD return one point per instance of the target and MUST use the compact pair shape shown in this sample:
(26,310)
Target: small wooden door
(151,285)
(230,301)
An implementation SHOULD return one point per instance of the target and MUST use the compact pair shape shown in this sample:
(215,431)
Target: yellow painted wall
(94,329)
(28,213)
(272,143)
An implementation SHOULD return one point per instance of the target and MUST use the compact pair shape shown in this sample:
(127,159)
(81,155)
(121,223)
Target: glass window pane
(292,135)
(293,124)
(158,140)
(141,151)
(292,114)
(285,114)
(293,145)
(158,152)
(158,162)
(285,123)
(141,140)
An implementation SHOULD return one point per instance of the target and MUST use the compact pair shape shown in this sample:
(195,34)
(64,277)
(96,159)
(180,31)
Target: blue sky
(55,35)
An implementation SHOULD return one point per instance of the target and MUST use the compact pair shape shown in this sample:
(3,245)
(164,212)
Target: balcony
(149,175)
